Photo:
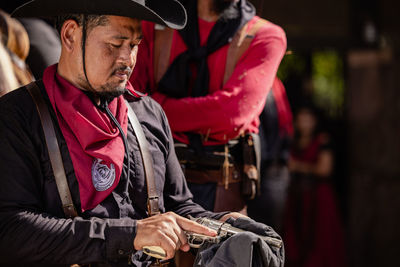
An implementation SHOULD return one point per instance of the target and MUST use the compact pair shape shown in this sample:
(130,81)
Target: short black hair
(91,20)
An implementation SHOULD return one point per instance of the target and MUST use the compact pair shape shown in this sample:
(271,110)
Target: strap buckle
(152,206)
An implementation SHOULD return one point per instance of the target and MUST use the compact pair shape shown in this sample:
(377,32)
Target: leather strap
(240,43)
(58,166)
(54,151)
(152,198)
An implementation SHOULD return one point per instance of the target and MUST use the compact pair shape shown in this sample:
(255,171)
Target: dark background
(363,119)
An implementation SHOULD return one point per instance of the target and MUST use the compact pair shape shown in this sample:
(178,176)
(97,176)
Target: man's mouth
(123,75)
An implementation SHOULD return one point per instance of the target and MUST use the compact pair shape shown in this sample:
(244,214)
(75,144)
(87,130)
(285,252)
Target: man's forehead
(124,25)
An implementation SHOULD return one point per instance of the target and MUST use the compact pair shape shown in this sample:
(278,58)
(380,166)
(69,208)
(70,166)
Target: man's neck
(205,10)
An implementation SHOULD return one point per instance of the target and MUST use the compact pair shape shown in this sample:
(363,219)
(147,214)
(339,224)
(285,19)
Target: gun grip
(155,251)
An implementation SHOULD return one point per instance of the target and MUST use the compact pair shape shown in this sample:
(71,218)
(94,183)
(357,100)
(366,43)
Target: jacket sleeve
(240,100)
(27,232)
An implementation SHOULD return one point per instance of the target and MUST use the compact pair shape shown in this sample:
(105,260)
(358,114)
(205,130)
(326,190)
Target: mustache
(126,69)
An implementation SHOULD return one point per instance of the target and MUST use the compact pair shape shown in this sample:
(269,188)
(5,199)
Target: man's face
(110,56)
(305,122)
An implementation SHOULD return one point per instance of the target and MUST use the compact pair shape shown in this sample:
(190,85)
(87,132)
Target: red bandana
(94,142)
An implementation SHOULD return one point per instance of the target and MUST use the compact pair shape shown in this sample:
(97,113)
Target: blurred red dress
(313,233)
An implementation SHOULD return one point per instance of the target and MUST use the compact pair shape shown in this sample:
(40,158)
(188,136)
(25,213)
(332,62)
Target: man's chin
(110,94)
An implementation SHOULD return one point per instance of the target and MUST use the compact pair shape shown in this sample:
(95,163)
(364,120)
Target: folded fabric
(243,249)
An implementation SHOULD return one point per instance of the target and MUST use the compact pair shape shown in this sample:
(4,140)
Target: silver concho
(103,177)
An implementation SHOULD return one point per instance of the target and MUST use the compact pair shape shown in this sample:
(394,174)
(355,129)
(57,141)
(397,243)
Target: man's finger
(168,246)
(185,248)
(181,235)
(195,227)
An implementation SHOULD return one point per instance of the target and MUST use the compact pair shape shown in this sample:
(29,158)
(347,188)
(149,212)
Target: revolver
(224,230)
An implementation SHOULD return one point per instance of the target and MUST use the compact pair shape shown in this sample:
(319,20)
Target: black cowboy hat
(169,13)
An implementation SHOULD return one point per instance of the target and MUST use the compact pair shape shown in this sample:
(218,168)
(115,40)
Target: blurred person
(45,45)
(114,197)
(16,41)
(276,131)
(313,232)
(212,79)
(8,81)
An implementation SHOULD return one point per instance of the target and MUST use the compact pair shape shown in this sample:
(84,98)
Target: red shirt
(229,109)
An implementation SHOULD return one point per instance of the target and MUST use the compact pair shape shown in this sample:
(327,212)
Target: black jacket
(32,227)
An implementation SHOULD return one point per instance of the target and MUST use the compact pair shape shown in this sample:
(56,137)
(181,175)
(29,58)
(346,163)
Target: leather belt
(202,176)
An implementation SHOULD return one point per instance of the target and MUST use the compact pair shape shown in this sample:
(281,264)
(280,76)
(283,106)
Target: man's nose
(128,56)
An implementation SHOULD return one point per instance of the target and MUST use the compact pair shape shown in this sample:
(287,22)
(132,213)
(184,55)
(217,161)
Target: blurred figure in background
(16,42)
(276,130)
(8,81)
(313,233)
(45,45)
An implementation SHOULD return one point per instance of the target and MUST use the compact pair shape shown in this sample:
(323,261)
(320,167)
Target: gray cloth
(243,249)
(45,45)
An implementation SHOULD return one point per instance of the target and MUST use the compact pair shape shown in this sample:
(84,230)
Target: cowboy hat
(169,13)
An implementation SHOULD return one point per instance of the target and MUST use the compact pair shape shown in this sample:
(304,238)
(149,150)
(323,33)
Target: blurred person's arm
(322,167)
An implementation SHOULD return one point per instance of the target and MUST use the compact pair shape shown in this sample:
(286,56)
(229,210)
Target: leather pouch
(251,173)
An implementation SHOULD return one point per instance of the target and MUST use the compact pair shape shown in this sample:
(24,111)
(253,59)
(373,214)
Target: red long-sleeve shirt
(229,109)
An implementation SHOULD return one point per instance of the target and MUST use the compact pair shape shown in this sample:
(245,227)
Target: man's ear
(70,33)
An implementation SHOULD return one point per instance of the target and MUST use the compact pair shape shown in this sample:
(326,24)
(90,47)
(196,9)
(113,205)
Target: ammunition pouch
(251,166)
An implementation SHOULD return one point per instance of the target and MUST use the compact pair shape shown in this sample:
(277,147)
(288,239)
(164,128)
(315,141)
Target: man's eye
(116,45)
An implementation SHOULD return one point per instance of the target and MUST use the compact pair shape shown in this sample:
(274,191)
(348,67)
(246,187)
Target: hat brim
(169,13)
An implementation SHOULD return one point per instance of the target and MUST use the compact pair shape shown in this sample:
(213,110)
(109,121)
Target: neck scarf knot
(176,80)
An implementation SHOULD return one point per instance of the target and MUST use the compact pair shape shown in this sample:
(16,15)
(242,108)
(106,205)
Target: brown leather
(240,43)
(230,199)
(152,196)
(184,259)
(162,263)
(212,176)
(54,151)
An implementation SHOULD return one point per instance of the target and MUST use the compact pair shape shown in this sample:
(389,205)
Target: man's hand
(233,215)
(167,231)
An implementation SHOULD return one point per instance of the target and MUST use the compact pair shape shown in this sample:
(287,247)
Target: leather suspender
(240,43)
(58,166)
(54,151)
(152,197)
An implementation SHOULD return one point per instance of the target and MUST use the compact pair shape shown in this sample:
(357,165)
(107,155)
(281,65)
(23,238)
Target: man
(212,79)
(100,153)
